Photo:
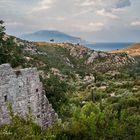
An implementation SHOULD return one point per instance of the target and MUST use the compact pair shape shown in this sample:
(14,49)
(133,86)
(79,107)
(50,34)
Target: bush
(56,91)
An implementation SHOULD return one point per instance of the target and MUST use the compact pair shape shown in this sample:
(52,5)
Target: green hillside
(96,94)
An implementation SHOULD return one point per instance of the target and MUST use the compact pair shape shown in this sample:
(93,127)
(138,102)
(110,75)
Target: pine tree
(2,29)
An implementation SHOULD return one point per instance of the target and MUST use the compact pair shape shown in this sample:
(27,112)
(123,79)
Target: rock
(89,79)
(103,88)
(112,94)
(92,57)
(23,90)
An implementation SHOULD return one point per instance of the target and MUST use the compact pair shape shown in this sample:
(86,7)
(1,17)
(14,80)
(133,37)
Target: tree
(10,52)
(56,91)
(2,29)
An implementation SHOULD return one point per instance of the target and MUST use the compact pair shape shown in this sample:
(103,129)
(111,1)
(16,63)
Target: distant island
(53,36)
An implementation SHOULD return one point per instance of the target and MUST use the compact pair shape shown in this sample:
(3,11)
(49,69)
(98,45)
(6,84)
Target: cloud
(90,27)
(105,3)
(71,16)
(7,3)
(82,12)
(57,18)
(77,8)
(60,18)
(43,5)
(88,3)
(13,23)
(106,8)
(122,3)
(118,10)
(106,14)
(135,23)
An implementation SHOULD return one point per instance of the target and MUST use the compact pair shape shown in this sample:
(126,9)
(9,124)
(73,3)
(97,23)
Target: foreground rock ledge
(23,90)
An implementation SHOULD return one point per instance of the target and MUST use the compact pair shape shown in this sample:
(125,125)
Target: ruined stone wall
(23,89)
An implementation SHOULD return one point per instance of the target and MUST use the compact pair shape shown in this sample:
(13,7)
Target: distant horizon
(19,36)
(92,20)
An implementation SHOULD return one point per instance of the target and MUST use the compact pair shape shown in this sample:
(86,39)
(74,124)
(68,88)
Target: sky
(92,20)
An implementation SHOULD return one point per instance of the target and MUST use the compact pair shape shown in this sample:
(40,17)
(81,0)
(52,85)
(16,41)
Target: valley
(96,94)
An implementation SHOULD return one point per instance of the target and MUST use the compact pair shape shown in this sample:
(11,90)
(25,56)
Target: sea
(109,46)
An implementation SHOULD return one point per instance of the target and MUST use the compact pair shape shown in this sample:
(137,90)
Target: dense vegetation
(10,52)
(106,109)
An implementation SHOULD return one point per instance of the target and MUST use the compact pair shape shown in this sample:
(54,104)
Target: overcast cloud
(94,20)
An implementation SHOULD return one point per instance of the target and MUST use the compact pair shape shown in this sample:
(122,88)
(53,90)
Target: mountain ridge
(52,36)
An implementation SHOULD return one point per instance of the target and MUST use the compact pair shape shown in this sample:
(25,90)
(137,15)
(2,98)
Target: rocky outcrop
(75,57)
(113,62)
(94,60)
(23,90)
(100,61)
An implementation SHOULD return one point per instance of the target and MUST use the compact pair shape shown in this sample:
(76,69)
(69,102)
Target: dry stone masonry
(23,90)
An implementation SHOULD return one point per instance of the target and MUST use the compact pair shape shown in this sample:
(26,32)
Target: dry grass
(131,50)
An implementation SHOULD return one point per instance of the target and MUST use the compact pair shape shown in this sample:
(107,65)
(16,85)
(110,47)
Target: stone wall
(23,90)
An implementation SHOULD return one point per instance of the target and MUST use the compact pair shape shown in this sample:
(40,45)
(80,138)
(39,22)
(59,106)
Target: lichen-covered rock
(23,90)
(89,78)
(92,57)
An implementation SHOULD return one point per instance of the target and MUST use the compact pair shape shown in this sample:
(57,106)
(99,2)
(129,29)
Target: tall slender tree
(2,33)
(2,30)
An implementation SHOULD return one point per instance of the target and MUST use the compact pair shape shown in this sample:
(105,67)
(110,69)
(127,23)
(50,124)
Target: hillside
(90,90)
(83,60)
(131,50)
(53,36)
(72,58)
